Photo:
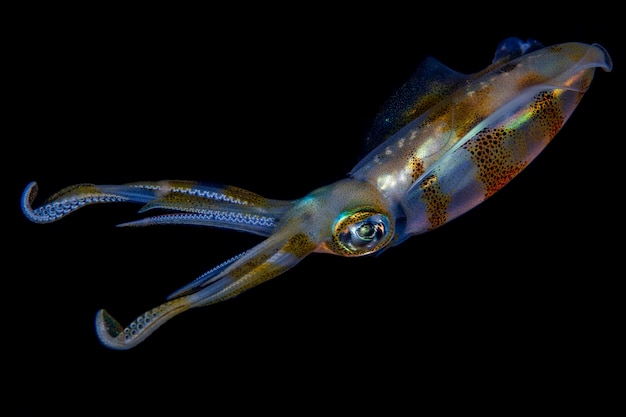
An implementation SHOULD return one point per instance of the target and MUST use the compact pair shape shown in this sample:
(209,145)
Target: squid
(441,145)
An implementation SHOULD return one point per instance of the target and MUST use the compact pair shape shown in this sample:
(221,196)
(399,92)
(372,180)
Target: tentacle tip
(28,196)
(31,190)
(110,332)
(134,223)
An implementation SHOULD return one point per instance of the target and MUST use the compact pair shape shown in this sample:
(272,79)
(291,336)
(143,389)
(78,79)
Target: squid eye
(361,232)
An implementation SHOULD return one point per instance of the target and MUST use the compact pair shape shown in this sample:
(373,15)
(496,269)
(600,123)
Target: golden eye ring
(361,232)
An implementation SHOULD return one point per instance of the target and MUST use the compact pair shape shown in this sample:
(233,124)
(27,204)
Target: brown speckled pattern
(547,115)
(246,196)
(436,201)
(416,167)
(500,153)
(299,245)
(494,160)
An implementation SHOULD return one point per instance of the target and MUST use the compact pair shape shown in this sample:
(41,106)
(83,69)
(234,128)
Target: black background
(514,300)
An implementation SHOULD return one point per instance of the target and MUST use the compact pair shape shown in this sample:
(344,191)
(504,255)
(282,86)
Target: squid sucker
(440,146)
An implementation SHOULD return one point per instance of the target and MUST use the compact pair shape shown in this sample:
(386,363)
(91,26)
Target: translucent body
(442,145)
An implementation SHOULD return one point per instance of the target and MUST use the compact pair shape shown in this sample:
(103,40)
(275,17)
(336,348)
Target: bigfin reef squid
(442,144)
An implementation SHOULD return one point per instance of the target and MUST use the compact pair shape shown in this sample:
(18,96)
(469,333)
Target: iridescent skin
(442,145)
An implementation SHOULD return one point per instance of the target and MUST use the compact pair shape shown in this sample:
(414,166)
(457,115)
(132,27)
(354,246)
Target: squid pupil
(366,231)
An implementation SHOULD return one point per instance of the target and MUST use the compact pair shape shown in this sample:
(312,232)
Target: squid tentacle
(267,260)
(247,222)
(207,278)
(61,205)
(227,207)
(114,336)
